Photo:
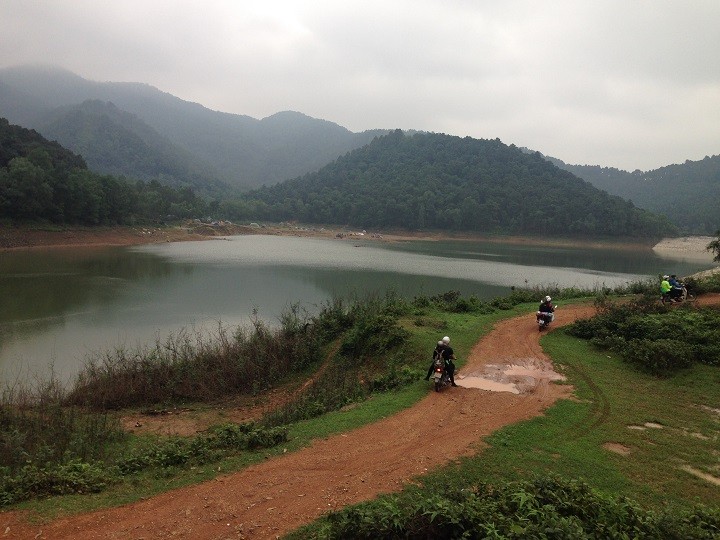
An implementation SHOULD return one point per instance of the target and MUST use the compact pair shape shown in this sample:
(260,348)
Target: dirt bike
(544,319)
(440,376)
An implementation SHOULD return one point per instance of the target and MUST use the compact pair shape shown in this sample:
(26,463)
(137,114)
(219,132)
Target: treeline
(687,193)
(441,182)
(42,181)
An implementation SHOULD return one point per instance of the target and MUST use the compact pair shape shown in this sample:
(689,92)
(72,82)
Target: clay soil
(14,238)
(17,238)
(277,496)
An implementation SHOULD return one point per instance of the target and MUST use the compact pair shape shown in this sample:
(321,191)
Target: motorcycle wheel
(437,386)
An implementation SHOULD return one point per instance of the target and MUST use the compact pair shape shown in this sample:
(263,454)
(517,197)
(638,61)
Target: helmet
(548,299)
(441,343)
(446,340)
(666,277)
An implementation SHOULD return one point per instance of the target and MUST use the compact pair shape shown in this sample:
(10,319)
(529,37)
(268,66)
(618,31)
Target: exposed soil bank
(12,238)
(686,247)
(26,237)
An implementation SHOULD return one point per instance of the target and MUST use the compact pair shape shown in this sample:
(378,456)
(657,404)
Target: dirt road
(277,496)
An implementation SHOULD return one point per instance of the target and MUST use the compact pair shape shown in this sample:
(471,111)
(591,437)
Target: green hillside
(433,181)
(119,143)
(42,182)
(687,193)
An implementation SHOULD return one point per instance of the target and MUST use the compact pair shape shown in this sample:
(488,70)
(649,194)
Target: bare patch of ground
(699,474)
(13,238)
(617,448)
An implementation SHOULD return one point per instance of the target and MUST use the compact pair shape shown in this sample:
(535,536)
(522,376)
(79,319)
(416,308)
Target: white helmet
(440,343)
(666,277)
(548,299)
(446,340)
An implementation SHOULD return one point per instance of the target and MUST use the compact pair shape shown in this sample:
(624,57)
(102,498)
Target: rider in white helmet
(444,351)
(546,308)
(449,356)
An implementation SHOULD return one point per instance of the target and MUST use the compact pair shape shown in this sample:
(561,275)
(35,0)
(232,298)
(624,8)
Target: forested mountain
(42,181)
(119,143)
(432,181)
(687,193)
(245,151)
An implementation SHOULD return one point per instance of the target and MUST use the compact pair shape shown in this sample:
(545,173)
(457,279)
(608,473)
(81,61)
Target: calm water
(61,305)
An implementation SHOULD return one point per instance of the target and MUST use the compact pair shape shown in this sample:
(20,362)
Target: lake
(61,305)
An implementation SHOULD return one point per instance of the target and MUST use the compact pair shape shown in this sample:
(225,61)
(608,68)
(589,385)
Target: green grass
(610,397)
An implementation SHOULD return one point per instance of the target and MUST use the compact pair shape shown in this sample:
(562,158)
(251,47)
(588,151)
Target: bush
(33,481)
(35,428)
(195,367)
(659,339)
(660,356)
(542,508)
(373,334)
(205,448)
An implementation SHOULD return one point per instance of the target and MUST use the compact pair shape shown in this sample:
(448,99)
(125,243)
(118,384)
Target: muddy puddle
(517,378)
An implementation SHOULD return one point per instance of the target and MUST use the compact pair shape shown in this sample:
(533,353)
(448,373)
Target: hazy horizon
(617,84)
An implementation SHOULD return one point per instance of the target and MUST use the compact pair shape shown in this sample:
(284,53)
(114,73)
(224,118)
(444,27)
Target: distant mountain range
(237,150)
(138,131)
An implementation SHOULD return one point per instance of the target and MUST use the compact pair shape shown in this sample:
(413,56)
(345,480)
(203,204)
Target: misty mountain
(119,143)
(441,182)
(245,151)
(687,193)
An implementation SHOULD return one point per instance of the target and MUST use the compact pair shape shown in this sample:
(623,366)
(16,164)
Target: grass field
(624,433)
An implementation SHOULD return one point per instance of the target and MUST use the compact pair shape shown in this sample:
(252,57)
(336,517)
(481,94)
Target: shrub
(659,339)
(542,508)
(660,356)
(204,448)
(61,479)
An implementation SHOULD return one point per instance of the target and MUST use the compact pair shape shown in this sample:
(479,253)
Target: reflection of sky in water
(60,306)
(341,255)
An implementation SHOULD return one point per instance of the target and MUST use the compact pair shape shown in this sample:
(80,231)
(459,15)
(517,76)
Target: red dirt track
(277,496)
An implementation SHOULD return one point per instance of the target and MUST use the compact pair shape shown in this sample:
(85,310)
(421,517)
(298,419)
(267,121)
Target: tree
(714,246)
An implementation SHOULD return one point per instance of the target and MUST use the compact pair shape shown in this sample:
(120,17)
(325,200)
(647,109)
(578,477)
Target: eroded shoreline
(686,247)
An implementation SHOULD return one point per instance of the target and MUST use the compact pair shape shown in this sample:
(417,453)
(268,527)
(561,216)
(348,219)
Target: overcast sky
(633,84)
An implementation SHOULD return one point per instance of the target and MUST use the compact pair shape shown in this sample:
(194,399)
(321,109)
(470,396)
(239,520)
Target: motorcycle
(544,319)
(677,298)
(440,376)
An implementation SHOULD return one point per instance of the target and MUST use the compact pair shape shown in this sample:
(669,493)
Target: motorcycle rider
(437,354)
(665,287)
(677,287)
(449,355)
(546,309)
